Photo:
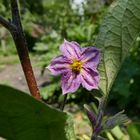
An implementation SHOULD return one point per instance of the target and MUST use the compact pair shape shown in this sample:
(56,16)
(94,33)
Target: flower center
(76,65)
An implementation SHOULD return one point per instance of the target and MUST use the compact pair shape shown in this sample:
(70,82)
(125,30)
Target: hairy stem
(21,46)
(101,109)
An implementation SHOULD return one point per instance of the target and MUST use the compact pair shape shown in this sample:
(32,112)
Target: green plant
(118,32)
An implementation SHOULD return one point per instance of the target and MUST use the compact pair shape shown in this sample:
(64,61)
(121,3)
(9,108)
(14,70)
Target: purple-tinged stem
(21,46)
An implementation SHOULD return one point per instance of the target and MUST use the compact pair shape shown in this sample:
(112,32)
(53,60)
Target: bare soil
(13,75)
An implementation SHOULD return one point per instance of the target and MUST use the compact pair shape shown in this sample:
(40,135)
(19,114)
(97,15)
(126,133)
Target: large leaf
(24,118)
(118,32)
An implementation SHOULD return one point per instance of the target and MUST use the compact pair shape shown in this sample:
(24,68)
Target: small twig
(64,102)
(7,24)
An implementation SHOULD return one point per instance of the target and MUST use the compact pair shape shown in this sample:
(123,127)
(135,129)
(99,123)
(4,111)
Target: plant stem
(93,138)
(101,109)
(15,28)
(7,25)
(21,46)
(64,102)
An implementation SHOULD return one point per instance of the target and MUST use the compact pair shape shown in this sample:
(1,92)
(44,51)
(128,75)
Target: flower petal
(71,50)
(59,65)
(90,56)
(90,78)
(70,82)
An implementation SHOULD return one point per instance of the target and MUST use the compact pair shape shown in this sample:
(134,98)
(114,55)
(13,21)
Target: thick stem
(22,50)
(15,28)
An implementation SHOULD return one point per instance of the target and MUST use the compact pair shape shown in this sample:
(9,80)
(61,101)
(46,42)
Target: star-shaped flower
(78,66)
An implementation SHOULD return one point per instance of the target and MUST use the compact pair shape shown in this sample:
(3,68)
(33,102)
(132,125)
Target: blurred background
(46,23)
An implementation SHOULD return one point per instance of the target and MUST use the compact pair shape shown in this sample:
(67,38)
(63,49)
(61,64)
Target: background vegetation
(46,24)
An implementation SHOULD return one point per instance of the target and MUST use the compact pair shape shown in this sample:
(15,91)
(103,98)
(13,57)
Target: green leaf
(115,120)
(118,32)
(134,131)
(24,118)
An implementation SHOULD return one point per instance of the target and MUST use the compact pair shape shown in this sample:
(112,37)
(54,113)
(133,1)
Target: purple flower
(78,66)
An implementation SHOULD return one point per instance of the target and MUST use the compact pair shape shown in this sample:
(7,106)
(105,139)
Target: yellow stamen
(76,65)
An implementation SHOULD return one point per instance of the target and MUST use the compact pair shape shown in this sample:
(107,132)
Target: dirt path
(13,75)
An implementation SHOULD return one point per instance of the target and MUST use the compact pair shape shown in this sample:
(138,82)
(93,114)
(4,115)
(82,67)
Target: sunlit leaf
(118,32)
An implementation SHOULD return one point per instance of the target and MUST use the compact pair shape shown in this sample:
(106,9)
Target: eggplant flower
(78,66)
